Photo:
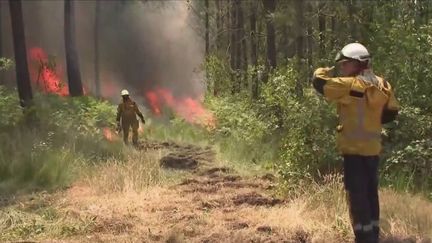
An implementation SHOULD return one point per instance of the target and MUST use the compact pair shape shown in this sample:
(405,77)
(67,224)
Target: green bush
(307,123)
(407,161)
(63,132)
(218,73)
(10,110)
(5,63)
(402,53)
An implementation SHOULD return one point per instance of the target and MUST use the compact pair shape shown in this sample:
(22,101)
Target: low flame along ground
(46,76)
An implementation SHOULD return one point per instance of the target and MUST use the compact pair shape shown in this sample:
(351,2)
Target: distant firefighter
(127,113)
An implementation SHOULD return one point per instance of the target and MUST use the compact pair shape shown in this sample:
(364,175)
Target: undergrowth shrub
(307,124)
(63,131)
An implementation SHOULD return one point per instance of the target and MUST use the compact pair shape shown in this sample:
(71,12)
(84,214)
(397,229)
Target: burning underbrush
(46,73)
(188,108)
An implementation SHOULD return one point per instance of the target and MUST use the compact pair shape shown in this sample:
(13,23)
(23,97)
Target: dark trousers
(127,125)
(361,185)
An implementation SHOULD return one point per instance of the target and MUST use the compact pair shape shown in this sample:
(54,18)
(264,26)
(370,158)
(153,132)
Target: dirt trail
(213,204)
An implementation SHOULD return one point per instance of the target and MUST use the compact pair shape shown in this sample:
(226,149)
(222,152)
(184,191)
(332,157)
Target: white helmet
(354,51)
(124,92)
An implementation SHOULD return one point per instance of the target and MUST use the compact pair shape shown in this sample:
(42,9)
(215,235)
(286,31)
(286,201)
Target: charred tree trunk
(96,48)
(321,28)
(73,71)
(207,28)
(269,8)
(253,44)
(21,66)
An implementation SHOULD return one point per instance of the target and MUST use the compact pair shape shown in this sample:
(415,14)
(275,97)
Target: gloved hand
(323,71)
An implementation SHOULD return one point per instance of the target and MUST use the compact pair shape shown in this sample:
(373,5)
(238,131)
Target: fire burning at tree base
(46,73)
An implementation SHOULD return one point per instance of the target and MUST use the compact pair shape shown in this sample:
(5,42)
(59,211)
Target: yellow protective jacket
(362,108)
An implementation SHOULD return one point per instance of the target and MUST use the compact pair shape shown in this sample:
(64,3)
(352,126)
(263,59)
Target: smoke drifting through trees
(142,46)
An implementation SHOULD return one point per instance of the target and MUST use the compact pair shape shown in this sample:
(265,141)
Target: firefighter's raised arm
(333,88)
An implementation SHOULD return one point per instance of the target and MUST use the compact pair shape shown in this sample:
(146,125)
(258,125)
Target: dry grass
(136,201)
(176,214)
(139,171)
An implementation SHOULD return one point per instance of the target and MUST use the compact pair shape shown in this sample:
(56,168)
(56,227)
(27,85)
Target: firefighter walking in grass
(127,113)
(364,102)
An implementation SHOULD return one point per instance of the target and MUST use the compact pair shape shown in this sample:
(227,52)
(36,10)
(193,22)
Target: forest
(237,145)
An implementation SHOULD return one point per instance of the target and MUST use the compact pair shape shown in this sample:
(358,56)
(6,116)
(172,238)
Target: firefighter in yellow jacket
(127,113)
(364,102)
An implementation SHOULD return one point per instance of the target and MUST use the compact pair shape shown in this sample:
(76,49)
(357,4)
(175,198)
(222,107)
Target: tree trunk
(300,45)
(300,28)
(233,44)
(241,46)
(310,43)
(207,28)
(96,48)
(321,28)
(1,44)
(332,27)
(352,20)
(73,71)
(21,67)
(218,24)
(253,44)
(270,7)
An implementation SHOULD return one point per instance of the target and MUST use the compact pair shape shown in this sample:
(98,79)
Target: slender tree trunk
(300,50)
(242,46)
(253,44)
(96,48)
(351,5)
(207,28)
(333,29)
(1,44)
(21,66)
(291,49)
(1,33)
(321,28)
(310,42)
(270,7)
(73,71)
(300,28)
(233,45)
(218,25)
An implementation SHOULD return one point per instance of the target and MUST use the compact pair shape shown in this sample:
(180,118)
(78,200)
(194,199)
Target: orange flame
(154,102)
(108,134)
(188,108)
(109,88)
(140,129)
(45,73)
